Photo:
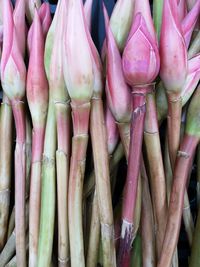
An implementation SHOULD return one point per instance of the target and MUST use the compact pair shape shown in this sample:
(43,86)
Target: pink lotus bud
(13,70)
(182,9)
(97,66)
(189,22)
(173,51)
(51,34)
(55,58)
(37,85)
(143,7)
(192,79)
(45,18)
(112,131)
(88,12)
(140,58)
(117,91)
(30,8)
(120,21)
(20,24)
(78,65)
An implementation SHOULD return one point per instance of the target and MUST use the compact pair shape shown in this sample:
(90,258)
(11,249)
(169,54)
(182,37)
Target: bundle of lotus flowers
(98,146)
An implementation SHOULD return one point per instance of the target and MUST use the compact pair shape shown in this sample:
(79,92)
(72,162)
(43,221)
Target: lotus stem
(130,192)
(62,169)
(195,250)
(20,177)
(28,154)
(136,257)
(94,235)
(103,187)
(147,224)
(8,250)
(47,214)
(6,123)
(11,224)
(77,170)
(182,167)
(173,124)
(156,168)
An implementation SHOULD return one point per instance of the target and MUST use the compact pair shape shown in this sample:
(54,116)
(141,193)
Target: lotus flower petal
(189,22)
(30,8)
(20,24)
(192,79)
(143,7)
(50,37)
(173,51)
(140,58)
(45,17)
(112,131)
(88,12)
(37,85)
(182,9)
(97,66)
(77,57)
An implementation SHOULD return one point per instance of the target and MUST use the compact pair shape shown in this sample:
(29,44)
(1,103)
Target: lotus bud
(13,70)
(77,58)
(56,72)
(189,22)
(140,58)
(173,51)
(117,91)
(143,7)
(37,85)
(45,18)
(51,36)
(20,24)
(30,8)
(88,12)
(120,21)
(97,66)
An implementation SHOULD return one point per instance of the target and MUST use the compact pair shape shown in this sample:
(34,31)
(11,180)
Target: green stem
(174,126)
(156,168)
(62,170)
(6,122)
(47,214)
(94,235)
(198,174)
(80,114)
(35,191)
(101,164)
(147,224)
(195,251)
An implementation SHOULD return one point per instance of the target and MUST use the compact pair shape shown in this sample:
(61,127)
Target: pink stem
(20,176)
(130,193)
